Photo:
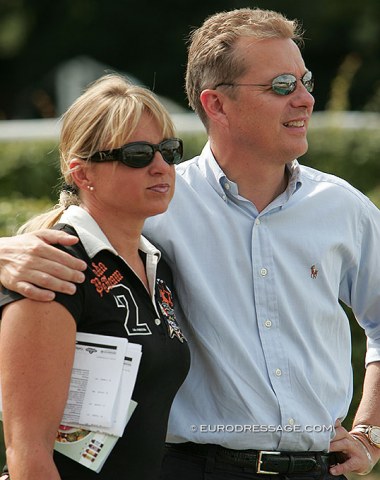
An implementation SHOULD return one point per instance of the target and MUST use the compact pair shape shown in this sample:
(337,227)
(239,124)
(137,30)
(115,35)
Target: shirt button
(291,421)
(157,321)
(257,221)
(268,323)
(278,372)
(227,186)
(263,272)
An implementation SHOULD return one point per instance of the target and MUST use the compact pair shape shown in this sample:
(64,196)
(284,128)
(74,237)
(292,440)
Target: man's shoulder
(187,166)
(318,176)
(323,182)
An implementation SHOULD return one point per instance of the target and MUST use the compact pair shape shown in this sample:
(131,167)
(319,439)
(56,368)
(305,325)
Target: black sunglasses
(281,85)
(140,154)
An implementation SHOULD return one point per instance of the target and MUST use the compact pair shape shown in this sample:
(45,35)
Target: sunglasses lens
(172,151)
(284,84)
(308,81)
(138,155)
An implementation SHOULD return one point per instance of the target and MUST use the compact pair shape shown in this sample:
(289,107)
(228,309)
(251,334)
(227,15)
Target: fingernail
(71,288)
(80,277)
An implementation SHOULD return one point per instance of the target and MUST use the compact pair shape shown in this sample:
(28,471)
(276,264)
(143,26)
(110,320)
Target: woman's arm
(37,346)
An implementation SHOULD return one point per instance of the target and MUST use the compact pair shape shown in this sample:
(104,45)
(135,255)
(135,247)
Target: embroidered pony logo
(313,272)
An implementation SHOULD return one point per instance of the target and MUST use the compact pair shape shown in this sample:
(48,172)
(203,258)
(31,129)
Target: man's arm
(368,413)
(31,266)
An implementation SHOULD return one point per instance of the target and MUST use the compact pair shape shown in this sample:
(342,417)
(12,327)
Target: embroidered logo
(166,304)
(102,282)
(313,272)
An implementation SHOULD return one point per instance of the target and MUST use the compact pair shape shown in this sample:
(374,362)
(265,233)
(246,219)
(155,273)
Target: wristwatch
(372,432)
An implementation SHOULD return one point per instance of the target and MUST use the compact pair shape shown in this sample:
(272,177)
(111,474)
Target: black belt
(263,461)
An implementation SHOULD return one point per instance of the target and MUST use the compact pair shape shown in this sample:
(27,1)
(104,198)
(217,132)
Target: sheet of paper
(99,403)
(128,380)
(90,449)
(95,380)
(124,396)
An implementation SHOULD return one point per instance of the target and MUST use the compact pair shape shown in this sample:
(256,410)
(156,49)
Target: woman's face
(134,193)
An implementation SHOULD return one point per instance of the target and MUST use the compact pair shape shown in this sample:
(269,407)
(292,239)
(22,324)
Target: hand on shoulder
(31,266)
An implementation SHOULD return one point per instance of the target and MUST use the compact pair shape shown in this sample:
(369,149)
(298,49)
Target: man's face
(269,126)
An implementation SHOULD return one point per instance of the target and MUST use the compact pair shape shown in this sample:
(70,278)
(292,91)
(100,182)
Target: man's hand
(31,266)
(357,460)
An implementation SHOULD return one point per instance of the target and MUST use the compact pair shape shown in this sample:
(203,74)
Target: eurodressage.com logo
(261,428)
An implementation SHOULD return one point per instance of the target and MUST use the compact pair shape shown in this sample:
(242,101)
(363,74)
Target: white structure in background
(49,128)
(71,78)
(185,123)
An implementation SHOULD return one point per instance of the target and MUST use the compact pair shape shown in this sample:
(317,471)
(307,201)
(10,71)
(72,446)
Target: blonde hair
(212,55)
(103,117)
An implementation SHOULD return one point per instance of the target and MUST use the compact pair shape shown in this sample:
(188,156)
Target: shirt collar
(92,237)
(223,186)
(295,180)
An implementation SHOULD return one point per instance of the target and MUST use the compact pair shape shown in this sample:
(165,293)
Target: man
(262,250)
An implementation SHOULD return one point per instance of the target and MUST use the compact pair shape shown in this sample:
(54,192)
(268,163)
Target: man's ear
(213,104)
(79,171)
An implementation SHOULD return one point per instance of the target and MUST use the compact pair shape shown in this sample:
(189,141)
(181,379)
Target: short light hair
(211,52)
(104,117)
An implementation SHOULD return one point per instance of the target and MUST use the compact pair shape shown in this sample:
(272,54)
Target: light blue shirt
(270,343)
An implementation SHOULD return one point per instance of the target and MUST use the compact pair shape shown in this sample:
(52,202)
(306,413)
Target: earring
(90,187)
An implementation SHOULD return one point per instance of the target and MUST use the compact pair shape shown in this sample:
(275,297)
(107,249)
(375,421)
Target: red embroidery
(166,305)
(165,295)
(102,282)
(98,269)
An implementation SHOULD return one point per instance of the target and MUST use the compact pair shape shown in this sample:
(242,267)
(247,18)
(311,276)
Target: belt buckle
(260,461)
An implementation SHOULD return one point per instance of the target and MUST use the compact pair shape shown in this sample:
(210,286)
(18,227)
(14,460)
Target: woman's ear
(213,104)
(79,172)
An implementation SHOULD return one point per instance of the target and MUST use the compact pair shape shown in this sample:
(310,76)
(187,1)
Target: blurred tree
(147,39)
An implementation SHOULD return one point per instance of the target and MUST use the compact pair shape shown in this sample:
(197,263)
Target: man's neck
(260,186)
(259,180)
(262,191)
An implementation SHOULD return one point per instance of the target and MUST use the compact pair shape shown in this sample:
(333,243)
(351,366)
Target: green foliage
(193,144)
(28,169)
(348,153)
(15,212)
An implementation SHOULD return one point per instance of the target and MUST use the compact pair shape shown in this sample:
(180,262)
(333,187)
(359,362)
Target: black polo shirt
(113,301)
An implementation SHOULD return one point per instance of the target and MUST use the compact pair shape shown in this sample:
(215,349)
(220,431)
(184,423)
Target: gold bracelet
(367,452)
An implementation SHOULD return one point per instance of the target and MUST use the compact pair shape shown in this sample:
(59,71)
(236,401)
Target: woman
(118,152)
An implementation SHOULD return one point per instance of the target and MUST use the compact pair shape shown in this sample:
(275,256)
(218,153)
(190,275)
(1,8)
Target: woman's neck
(124,235)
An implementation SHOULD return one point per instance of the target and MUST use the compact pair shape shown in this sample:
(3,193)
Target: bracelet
(368,453)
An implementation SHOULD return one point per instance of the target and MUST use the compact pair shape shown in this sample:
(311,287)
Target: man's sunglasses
(140,154)
(281,85)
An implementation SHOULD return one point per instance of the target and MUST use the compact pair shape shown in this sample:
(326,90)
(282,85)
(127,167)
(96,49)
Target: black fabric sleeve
(73,303)
(8,296)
